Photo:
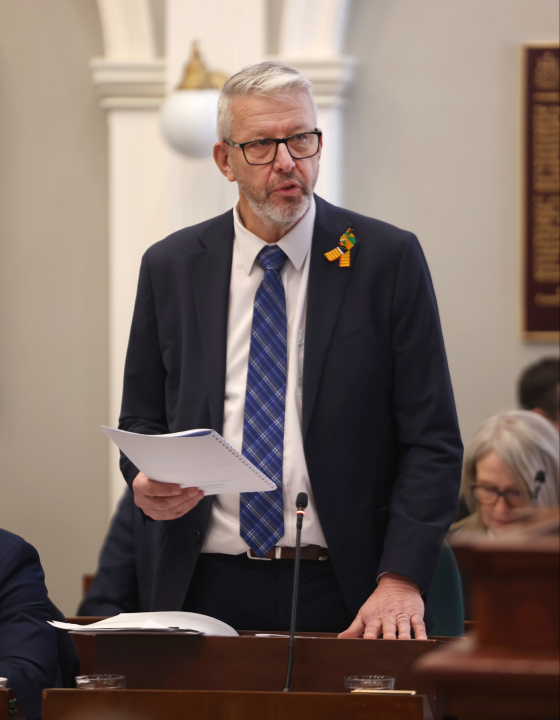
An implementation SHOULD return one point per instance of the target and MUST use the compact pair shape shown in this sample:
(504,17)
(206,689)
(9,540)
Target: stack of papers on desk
(176,621)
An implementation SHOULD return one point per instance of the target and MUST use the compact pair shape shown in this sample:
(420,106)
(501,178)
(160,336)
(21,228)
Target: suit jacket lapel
(210,270)
(325,295)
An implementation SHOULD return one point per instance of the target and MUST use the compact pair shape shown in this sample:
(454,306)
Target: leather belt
(308,552)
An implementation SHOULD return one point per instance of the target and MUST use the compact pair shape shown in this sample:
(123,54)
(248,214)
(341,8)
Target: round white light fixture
(188,115)
(188,121)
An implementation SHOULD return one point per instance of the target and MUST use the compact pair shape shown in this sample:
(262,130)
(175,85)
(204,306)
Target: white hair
(270,78)
(525,443)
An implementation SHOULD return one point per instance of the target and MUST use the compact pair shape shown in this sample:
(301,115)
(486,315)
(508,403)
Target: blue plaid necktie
(261,515)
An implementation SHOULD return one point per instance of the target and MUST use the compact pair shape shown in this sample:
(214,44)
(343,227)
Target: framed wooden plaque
(540,187)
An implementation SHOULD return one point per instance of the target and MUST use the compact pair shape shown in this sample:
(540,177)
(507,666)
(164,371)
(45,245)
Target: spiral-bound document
(195,458)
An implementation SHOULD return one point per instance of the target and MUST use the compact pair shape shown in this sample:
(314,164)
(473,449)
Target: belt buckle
(256,557)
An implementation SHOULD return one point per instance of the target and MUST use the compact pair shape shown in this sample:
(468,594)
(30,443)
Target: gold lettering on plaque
(546,154)
(546,97)
(547,299)
(542,192)
(546,178)
(547,72)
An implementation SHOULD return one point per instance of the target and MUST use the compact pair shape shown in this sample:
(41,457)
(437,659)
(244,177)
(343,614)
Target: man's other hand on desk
(392,611)
(164,501)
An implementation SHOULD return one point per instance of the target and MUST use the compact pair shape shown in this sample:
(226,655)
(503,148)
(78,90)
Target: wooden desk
(9,709)
(84,644)
(508,668)
(162,661)
(227,705)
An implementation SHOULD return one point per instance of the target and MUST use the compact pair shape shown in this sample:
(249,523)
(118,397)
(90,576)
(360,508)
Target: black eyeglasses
(488,495)
(264,151)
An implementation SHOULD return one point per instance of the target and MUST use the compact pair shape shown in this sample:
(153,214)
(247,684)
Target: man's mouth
(288,188)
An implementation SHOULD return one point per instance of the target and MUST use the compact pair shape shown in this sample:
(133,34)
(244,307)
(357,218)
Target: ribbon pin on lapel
(342,251)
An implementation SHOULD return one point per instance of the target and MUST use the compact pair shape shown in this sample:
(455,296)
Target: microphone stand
(301,504)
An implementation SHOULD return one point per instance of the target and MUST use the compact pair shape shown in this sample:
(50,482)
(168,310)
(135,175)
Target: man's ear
(222,160)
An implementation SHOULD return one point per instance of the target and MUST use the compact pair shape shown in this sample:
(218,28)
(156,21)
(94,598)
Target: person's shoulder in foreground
(28,647)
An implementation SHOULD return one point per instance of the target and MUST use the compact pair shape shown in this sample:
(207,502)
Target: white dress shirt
(222,535)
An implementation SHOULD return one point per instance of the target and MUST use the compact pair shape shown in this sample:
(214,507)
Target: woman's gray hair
(270,78)
(526,443)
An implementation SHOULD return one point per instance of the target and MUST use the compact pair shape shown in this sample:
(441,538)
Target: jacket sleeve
(28,647)
(429,450)
(143,404)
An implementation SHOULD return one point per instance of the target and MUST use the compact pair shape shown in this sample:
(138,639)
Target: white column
(310,40)
(230,35)
(130,82)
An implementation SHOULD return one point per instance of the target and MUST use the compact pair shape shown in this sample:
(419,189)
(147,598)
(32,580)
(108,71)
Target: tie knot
(272,258)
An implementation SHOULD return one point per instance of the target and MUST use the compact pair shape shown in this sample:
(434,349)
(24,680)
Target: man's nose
(283,162)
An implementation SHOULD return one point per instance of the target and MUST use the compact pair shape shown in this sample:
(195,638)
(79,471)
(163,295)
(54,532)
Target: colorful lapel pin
(342,251)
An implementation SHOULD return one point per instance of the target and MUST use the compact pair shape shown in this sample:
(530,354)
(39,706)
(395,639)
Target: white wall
(53,288)
(433,146)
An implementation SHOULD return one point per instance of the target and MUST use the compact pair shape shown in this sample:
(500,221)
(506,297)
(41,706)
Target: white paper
(196,458)
(153,621)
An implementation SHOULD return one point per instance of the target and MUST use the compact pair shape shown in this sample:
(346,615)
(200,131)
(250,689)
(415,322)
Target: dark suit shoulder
(18,558)
(193,238)
(332,218)
(11,544)
(8,539)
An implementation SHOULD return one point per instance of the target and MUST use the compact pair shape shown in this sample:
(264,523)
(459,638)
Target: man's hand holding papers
(177,470)
(164,501)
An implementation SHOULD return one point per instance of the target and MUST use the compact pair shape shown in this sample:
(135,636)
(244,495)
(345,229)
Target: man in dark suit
(369,428)
(29,656)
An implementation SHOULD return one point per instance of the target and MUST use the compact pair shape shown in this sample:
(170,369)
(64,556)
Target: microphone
(540,477)
(301,504)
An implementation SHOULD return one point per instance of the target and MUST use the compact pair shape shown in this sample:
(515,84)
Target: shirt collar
(295,243)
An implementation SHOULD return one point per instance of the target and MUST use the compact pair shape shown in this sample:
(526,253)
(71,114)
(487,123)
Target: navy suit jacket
(29,655)
(379,426)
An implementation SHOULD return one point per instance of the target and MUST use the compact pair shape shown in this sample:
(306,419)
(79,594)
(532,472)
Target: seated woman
(500,468)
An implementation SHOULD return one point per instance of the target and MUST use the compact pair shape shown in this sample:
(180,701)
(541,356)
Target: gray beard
(289,213)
